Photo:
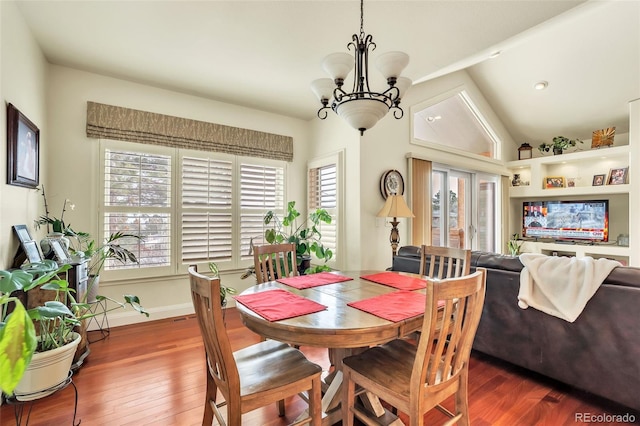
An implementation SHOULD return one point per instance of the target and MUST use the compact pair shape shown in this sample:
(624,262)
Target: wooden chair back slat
(273,261)
(444,262)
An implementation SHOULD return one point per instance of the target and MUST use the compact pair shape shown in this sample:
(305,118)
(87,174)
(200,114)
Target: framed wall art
(23,149)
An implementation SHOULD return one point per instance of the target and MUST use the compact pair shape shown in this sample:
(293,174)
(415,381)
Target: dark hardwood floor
(153,374)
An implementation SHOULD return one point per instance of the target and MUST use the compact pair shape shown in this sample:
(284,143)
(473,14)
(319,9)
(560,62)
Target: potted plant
(559,144)
(25,359)
(84,246)
(305,235)
(224,290)
(514,245)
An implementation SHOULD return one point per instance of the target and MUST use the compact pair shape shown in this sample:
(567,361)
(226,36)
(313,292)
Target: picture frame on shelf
(618,176)
(32,251)
(598,180)
(23,149)
(554,182)
(571,182)
(60,251)
(28,250)
(22,233)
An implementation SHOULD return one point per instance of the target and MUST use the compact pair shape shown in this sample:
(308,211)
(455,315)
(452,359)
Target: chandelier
(361,108)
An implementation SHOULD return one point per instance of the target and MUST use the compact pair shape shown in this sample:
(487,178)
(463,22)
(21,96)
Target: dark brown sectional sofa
(598,353)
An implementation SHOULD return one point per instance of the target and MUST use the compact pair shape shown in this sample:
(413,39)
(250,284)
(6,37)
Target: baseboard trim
(130,316)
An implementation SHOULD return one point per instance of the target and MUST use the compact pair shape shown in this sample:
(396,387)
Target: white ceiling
(264,54)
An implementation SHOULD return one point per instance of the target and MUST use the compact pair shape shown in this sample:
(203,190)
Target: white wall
(23,80)
(74,158)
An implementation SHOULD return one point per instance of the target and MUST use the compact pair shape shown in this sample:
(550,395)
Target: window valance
(125,124)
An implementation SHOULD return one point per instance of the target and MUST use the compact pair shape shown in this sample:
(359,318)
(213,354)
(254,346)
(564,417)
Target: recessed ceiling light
(541,85)
(432,118)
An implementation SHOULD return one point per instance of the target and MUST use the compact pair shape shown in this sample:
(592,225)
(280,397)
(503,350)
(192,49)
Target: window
(454,121)
(261,190)
(208,209)
(137,200)
(207,190)
(323,193)
(467,216)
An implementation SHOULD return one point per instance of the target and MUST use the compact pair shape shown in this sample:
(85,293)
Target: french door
(464,211)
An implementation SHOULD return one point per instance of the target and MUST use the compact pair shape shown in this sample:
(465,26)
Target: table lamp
(394,208)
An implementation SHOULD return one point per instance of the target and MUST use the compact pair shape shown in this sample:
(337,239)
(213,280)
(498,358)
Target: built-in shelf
(581,167)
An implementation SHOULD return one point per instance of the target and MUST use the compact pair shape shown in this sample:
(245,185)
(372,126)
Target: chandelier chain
(361,18)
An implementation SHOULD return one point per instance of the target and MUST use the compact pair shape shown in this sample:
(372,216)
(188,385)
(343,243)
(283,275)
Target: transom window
(454,121)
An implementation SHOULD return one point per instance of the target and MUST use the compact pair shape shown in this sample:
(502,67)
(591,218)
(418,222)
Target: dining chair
(272,261)
(252,377)
(444,262)
(416,378)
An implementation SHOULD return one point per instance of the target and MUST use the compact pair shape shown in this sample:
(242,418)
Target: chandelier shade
(362,113)
(391,64)
(338,65)
(361,108)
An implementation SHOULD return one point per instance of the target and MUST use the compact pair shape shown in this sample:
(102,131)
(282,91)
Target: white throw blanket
(561,286)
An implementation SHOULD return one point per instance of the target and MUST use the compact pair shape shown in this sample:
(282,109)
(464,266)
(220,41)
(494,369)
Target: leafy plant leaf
(17,344)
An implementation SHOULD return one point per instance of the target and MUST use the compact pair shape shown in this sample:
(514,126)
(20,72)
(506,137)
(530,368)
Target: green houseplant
(83,246)
(558,145)
(224,290)
(98,255)
(305,234)
(56,319)
(514,245)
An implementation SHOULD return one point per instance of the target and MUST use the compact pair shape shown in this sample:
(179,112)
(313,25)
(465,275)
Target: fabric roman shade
(125,124)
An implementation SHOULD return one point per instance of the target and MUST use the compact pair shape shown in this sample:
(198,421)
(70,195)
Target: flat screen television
(566,220)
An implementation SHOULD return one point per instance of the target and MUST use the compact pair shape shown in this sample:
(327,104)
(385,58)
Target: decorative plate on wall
(391,182)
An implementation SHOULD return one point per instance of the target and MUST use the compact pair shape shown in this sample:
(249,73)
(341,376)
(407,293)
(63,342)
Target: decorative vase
(305,263)
(46,371)
(557,151)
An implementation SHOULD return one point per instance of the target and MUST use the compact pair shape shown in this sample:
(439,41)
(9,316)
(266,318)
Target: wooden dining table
(340,328)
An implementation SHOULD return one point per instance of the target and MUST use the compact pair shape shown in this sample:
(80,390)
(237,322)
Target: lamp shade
(322,88)
(391,64)
(403,84)
(338,65)
(395,207)
(362,113)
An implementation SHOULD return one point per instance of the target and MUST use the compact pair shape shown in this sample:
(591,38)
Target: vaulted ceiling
(264,54)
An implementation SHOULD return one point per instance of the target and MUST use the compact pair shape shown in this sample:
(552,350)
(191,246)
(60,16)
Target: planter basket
(45,371)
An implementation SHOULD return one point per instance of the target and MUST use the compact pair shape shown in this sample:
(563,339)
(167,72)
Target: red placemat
(278,304)
(396,306)
(314,280)
(395,280)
